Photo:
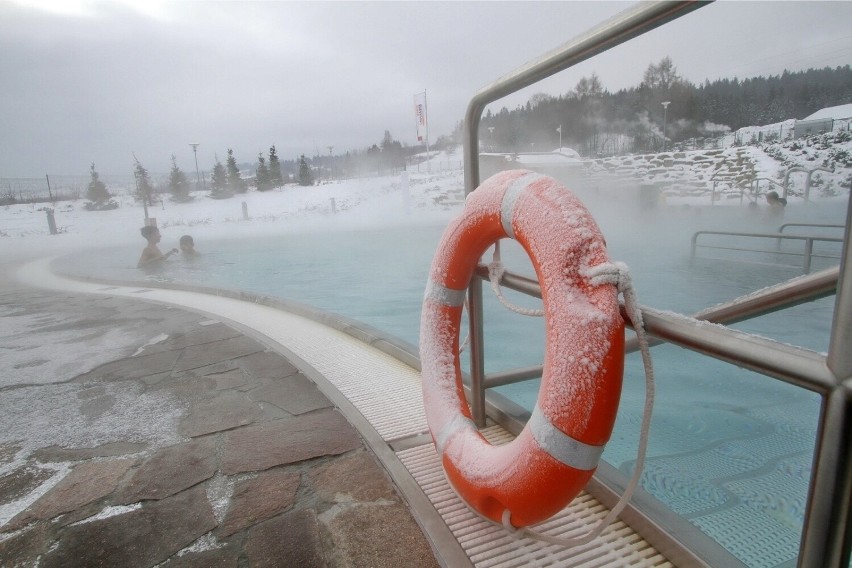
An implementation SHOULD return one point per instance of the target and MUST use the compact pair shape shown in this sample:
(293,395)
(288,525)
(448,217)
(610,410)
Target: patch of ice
(50,415)
(205,542)
(153,341)
(9,510)
(111,511)
(219,491)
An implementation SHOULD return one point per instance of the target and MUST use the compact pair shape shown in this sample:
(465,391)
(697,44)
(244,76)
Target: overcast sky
(84,82)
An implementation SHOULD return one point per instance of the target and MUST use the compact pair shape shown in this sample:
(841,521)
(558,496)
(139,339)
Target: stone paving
(138,435)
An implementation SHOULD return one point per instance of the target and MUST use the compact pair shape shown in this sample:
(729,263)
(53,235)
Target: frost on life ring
(545,467)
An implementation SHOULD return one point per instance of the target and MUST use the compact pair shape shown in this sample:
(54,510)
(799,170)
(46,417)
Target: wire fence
(52,188)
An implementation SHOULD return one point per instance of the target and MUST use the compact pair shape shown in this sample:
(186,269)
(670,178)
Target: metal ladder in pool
(826,537)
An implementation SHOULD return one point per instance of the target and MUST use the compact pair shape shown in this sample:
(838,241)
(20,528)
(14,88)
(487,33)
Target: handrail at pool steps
(807,253)
(826,537)
(785,226)
(682,331)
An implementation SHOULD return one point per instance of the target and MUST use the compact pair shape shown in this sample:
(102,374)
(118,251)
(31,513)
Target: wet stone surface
(158,437)
(260,498)
(287,441)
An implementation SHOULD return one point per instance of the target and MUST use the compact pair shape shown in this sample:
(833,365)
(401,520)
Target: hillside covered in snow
(811,167)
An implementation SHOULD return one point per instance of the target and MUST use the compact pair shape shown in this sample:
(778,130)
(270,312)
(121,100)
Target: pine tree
(261,179)
(97,192)
(143,183)
(305,176)
(178,184)
(235,182)
(275,177)
(219,181)
(392,156)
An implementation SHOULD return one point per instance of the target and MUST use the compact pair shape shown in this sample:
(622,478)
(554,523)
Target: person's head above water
(150,232)
(773,199)
(187,247)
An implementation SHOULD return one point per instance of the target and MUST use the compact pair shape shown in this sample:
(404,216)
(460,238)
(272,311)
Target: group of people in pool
(153,256)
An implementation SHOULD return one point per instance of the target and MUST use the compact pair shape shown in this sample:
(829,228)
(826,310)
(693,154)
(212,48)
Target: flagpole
(426,114)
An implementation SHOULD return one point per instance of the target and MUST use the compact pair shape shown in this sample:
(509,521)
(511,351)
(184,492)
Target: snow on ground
(431,197)
(431,192)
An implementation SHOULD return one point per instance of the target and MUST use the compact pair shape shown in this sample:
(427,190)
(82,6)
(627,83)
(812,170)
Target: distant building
(822,120)
(834,113)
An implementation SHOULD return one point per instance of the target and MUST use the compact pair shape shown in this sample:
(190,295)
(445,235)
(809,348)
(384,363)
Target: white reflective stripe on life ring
(443,295)
(561,446)
(458,422)
(511,196)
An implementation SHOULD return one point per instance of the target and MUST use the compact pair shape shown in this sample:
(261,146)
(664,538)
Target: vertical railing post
(809,249)
(839,358)
(474,291)
(477,353)
(827,538)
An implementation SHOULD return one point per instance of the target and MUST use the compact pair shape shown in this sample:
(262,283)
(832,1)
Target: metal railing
(808,180)
(826,534)
(755,187)
(783,227)
(807,254)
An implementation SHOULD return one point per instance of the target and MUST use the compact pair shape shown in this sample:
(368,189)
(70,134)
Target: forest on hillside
(596,121)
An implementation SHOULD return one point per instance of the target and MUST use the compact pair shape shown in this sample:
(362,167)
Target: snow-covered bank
(696,178)
(337,205)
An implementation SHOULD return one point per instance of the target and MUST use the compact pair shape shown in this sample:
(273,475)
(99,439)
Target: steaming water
(730,450)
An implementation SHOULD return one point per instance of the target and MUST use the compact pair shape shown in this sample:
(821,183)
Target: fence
(52,188)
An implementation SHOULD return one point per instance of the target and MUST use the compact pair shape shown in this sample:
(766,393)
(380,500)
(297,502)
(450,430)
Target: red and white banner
(420,114)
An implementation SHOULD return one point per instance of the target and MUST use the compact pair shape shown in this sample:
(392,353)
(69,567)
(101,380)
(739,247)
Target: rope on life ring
(533,477)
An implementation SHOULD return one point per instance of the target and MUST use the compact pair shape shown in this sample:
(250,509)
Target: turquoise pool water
(730,450)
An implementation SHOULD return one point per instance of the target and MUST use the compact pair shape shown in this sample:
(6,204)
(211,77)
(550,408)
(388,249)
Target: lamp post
(665,111)
(197,176)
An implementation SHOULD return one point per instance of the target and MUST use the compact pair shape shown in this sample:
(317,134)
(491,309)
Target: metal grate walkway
(488,545)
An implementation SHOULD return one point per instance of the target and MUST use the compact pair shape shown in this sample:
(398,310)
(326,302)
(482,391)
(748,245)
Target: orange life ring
(546,466)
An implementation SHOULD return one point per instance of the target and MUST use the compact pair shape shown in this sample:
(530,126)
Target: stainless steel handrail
(669,328)
(826,536)
(615,31)
(810,225)
(808,240)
